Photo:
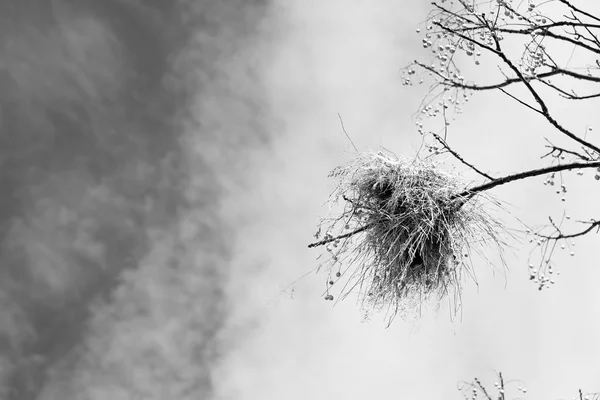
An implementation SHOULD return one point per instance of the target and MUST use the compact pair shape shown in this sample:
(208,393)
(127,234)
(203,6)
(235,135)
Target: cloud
(336,57)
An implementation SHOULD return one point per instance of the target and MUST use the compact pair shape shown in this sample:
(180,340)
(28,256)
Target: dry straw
(405,233)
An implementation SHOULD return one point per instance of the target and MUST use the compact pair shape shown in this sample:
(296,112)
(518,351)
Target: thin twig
(593,224)
(556,149)
(348,136)
(460,158)
(520,101)
(334,238)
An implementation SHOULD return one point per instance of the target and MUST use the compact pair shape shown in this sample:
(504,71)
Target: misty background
(163,167)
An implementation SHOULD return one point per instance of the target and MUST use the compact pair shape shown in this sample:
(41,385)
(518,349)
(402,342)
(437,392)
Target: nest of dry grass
(405,233)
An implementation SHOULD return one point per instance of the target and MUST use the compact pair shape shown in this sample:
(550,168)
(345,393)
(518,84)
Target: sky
(167,166)
(345,58)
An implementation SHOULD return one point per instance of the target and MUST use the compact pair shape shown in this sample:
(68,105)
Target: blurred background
(163,166)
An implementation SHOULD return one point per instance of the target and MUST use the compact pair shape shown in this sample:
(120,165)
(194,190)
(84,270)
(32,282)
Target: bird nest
(405,233)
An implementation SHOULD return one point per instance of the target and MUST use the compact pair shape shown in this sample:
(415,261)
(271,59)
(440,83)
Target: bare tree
(463,33)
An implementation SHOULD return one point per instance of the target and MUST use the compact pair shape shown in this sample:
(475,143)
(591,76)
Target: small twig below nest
(334,238)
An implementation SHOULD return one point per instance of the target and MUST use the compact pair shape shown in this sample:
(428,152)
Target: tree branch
(527,174)
(571,6)
(334,238)
(544,108)
(593,224)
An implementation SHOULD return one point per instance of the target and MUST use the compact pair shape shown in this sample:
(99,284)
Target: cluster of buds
(544,275)
(522,389)
(561,190)
(331,282)
(544,278)
(534,57)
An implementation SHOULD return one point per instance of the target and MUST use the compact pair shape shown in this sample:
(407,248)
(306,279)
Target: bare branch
(592,224)
(469,193)
(330,239)
(459,158)
(546,33)
(556,152)
(527,174)
(544,108)
(571,6)
(483,389)
(520,101)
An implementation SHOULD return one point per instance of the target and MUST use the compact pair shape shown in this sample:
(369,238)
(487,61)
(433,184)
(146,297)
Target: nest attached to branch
(405,233)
